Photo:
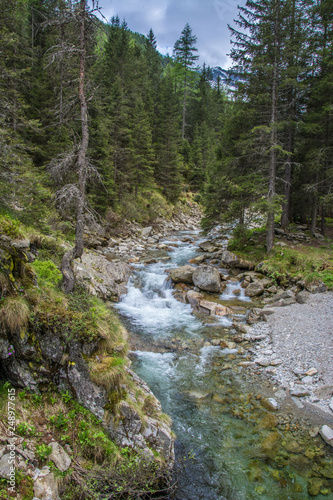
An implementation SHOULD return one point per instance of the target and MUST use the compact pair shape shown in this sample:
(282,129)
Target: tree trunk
(287,180)
(273,140)
(184,105)
(77,251)
(272,163)
(313,215)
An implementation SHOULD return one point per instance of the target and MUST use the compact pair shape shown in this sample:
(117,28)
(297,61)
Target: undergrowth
(98,463)
(304,262)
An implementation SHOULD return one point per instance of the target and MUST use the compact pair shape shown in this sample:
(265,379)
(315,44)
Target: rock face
(182,274)
(100,277)
(58,357)
(127,428)
(207,278)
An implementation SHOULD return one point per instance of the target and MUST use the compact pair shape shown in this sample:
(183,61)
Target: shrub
(42,451)
(10,227)
(47,272)
(25,429)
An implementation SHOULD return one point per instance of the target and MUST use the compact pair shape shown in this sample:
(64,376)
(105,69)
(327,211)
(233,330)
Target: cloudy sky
(207,18)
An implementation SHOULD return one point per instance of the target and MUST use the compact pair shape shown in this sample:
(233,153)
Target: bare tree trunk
(77,251)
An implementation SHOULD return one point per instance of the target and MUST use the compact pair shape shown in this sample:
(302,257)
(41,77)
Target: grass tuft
(14,313)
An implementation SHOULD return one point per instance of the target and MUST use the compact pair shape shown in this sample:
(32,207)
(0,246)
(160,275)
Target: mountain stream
(228,446)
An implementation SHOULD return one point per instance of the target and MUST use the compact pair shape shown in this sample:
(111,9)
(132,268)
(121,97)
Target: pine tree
(168,142)
(185,56)
(257,52)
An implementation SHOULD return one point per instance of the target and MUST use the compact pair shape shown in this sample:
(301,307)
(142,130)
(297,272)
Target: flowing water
(228,446)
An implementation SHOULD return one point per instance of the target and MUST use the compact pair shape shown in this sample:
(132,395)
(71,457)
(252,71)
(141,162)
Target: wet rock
(270,404)
(199,259)
(193,298)
(207,278)
(254,289)
(208,246)
(198,394)
(59,457)
(326,433)
(314,486)
(182,274)
(269,421)
(207,307)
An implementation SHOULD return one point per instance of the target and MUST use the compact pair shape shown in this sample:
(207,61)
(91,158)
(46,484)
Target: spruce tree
(185,56)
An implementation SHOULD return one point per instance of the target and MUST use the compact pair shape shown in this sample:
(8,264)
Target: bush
(42,451)
(47,271)
(10,227)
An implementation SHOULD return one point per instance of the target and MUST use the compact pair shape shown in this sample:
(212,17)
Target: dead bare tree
(72,170)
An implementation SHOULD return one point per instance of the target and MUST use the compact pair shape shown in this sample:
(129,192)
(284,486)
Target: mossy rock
(315,484)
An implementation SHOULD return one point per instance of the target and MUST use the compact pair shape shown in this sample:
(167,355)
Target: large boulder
(208,246)
(100,277)
(182,274)
(229,259)
(207,278)
(254,289)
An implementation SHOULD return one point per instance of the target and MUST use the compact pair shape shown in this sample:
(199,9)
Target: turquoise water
(228,446)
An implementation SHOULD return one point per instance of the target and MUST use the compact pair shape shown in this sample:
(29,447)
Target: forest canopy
(148,127)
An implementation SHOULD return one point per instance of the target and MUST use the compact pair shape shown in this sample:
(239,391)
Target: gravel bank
(296,339)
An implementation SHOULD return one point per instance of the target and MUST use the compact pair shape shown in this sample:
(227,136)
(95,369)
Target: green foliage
(42,451)
(47,271)
(145,208)
(10,227)
(60,421)
(24,429)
